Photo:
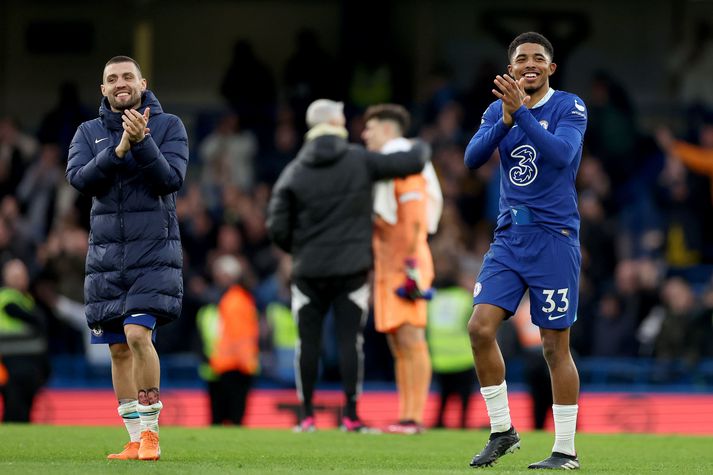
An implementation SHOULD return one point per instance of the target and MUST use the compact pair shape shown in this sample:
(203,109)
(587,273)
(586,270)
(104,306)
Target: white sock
(129,414)
(149,416)
(496,400)
(565,427)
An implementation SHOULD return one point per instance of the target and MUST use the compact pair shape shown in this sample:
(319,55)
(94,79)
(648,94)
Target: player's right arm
(91,174)
(491,131)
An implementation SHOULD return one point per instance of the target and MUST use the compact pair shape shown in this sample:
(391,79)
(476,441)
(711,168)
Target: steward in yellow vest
(23,344)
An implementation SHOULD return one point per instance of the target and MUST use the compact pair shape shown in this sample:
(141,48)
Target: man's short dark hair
(123,59)
(531,37)
(392,112)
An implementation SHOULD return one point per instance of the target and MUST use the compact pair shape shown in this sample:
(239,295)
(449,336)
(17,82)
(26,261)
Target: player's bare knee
(119,351)
(480,331)
(137,336)
(409,337)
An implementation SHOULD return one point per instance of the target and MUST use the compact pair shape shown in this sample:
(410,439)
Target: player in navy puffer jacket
(132,160)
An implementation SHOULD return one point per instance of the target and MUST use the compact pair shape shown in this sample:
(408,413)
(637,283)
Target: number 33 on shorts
(555,304)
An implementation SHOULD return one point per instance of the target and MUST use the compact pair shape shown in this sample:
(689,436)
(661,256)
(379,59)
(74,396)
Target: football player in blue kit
(539,134)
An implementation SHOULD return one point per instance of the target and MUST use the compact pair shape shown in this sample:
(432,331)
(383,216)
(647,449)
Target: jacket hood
(323,150)
(112,120)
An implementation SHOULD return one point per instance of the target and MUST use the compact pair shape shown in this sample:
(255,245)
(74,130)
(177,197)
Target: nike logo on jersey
(578,106)
(555,317)
(99,140)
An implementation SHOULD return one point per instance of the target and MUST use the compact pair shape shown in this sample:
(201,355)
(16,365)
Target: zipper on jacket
(122,241)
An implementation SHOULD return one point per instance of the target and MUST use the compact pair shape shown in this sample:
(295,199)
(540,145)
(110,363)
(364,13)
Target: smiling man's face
(531,62)
(123,85)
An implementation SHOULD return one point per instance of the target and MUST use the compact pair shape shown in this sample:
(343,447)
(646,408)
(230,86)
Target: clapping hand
(135,124)
(134,130)
(512,95)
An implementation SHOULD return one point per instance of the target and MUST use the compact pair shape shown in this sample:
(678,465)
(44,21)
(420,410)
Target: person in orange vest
(229,331)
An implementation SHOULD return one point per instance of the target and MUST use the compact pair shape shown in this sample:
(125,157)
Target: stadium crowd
(647,242)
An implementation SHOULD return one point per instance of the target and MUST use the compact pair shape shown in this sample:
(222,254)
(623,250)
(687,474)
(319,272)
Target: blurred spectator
(273,300)
(478,97)
(23,343)
(611,131)
(597,237)
(37,191)
(14,241)
(698,158)
(230,331)
(309,75)
(372,75)
(249,88)
(284,147)
(230,242)
(61,289)
(679,206)
(614,329)
(440,93)
(679,305)
(691,67)
(593,179)
(60,123)
(198,228)
(448,341)
(16,150)
(700,340)
(13,139)
(447,128)
(228,154)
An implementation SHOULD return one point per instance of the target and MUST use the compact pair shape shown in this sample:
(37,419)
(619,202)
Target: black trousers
(537,375)
(311,300)
(26,375)
(228,397)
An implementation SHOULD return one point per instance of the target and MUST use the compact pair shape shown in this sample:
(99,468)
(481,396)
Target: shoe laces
(150,438)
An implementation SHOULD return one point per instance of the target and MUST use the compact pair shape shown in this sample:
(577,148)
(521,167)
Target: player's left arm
(489,135)
(164,166)
(560,147)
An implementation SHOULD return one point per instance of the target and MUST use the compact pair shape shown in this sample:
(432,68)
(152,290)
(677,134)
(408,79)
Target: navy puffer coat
(134,264)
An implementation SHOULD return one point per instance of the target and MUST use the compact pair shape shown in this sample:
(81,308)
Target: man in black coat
(132,167)
(321,213)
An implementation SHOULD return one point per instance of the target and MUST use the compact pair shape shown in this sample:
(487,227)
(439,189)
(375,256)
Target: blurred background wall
(185,46)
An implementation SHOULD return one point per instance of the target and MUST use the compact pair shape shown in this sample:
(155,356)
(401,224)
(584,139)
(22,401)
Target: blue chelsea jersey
(539,159)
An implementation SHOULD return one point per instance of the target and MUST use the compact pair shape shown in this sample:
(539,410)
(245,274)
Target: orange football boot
(149,449)
(130,452)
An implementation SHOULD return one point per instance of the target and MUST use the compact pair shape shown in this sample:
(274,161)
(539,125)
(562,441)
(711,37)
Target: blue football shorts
(107,337)
(530,256)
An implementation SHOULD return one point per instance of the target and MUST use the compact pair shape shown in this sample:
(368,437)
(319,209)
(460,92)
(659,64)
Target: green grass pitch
(72,450)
